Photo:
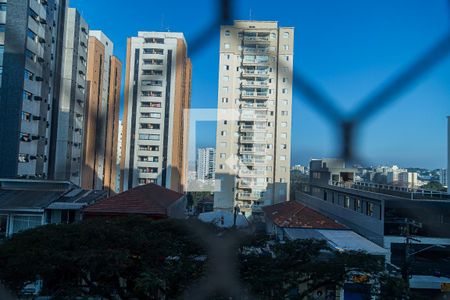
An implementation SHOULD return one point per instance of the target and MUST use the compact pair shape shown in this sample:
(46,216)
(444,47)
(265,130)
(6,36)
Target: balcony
(254,162)
(255,73)
(252,116)
(251,173)
(248,196)
(264,40)
(255,83)
(252,128)
(245,184)
(259,106)
(252,150)
(252,139)
(255,95)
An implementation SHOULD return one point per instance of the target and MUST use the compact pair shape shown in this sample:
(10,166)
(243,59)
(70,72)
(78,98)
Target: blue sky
(347,48)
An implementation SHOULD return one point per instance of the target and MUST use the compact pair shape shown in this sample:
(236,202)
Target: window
(226,67)
(27,96)
(284,113)
(151,82)
(369,209)
(150,126)
(151,94)
(282,157)
(23,158)
(346,201)
(223,133)
(224,100)
(284,102)
(228,56)
(223,155)
(26,116)
(2,6)
(2,27)
(31,34)
(158,62)
(284,91)
(21,223)
(223,144)
(226,46)
(284,79)
(148,158)
(226,78)
(283,124)
(153,51)
(225,89)
(30,55)
(283,146)
(153,40)
(227,33)
(148,148)
(285,35)
(357,205)
(273,35)
(316,175)
(221,167)
(151,137)
(287,58)
(155,115)
(284,135)
(286,47)
(152,72)
(146,170)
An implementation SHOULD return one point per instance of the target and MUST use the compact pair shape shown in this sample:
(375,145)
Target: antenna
(250,14)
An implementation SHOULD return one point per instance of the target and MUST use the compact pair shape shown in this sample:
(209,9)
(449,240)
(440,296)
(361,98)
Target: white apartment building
(255,84)
(157,91)
(206,163)
(68,124)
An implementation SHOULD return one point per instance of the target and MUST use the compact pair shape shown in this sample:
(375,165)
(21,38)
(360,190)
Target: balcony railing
(255,73)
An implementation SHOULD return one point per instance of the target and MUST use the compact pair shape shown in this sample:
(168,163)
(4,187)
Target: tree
(111,258)
(296,269)
(434,186)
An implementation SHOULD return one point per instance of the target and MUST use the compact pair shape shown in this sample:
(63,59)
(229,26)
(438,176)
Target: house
(150,200)
(28,203)
(292,220)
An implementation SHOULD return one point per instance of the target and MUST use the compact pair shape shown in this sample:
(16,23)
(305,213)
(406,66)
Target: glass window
(21,223)
(286,35)
(2,6)
(2,27)
(155,115)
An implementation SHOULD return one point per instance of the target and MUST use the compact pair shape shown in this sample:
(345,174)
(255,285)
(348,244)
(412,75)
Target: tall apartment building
(255,80)
(155,128)
(448,153)
(206,163)
(102,114)
(30,56)
(66,141)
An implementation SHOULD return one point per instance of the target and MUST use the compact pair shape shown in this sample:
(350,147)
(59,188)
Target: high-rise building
(448,153)
(30,56)
(206,163)
(102,114)
(66,141)
(119,156)
(255,81)
(155,127)
(443,177)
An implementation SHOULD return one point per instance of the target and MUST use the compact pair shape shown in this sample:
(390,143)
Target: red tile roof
(295,215)
(149,199)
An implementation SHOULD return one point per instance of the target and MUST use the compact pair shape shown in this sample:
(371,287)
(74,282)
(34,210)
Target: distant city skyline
(348,49)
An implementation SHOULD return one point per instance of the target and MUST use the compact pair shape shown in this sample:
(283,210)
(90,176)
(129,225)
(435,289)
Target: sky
(348,49)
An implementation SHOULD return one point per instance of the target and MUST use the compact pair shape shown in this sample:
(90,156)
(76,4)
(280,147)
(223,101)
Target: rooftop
(292,214)
(149,199)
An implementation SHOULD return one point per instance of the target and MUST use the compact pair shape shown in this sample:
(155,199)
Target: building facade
(102,114)
(255,84)
(206,163)
(30,56)
(66,142)
(155,126)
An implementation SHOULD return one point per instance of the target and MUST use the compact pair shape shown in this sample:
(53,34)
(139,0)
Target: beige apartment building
(155,125)
(255,96)
(102,114)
